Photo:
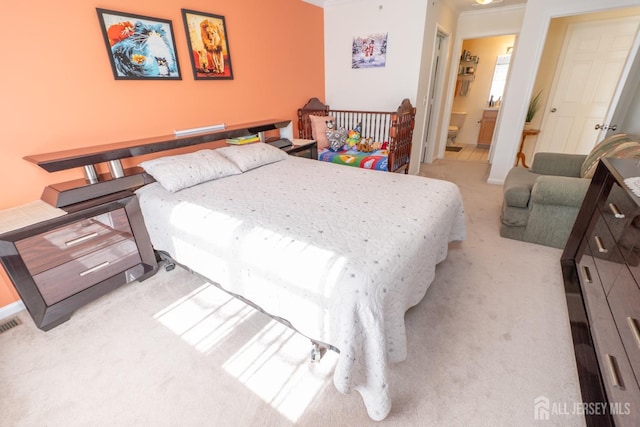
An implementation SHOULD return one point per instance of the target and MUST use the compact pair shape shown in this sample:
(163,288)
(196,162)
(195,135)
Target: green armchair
(541,203)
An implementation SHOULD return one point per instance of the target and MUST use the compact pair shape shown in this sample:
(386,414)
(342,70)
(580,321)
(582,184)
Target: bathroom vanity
(487,125)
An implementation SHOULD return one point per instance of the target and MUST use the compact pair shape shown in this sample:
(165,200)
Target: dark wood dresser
(62,263)
(601,269)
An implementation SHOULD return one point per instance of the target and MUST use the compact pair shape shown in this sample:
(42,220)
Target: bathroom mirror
(499,77)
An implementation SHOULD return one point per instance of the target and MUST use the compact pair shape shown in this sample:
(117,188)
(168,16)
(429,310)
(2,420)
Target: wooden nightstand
(303,148)
(60,261)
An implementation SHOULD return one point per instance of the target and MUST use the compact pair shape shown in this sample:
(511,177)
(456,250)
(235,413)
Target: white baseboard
(11,309)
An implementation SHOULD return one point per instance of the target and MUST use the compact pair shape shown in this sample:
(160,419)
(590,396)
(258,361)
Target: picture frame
(139,47)
(369,51)
(208,45)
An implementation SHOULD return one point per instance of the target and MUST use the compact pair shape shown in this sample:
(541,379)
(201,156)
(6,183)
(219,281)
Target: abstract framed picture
(139,47)
(369,51)
(208,45)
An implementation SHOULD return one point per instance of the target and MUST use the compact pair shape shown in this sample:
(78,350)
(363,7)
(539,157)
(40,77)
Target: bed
(278,231)
(392,129)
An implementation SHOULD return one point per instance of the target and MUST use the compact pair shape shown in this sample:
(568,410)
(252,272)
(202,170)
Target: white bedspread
(339,252)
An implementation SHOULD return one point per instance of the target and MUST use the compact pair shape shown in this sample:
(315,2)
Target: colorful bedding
(376,160)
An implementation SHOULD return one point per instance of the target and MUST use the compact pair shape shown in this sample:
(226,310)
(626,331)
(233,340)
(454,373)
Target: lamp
(483,1)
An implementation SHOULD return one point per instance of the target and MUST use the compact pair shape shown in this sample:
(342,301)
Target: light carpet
(491,335)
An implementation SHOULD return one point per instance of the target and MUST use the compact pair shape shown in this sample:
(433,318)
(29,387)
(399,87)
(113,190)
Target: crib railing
(394,127)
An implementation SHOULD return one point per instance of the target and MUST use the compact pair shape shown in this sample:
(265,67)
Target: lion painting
(212,38)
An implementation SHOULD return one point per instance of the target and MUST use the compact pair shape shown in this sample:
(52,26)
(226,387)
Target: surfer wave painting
(139,47)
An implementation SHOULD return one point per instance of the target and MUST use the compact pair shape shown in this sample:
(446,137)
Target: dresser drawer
(607,257)
(592,290)
(618,209)
(61,245)
(76,275)
(624,301)
(618,377)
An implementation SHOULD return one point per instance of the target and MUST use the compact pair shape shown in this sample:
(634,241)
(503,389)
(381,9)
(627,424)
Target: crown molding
(328,3)
(319,3)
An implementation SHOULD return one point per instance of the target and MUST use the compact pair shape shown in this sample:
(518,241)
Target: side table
(60,261)
(303,148)
(520,155)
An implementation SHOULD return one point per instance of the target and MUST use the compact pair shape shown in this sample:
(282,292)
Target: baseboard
(495,181)
(11,309)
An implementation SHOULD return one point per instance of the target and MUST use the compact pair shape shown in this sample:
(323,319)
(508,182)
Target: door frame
(433,111)
(525,67)
(476,25)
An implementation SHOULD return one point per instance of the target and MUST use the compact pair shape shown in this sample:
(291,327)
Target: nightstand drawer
(64,244)
(74,276)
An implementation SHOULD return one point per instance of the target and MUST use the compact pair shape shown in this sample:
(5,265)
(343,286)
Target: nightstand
(60,261)
(303,148)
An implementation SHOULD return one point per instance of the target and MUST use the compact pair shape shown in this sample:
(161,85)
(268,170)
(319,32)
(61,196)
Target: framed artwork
(208,45)
(139,47)
(369,51)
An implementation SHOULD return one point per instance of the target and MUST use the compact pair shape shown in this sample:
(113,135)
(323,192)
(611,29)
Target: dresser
(601,270)
(60,261)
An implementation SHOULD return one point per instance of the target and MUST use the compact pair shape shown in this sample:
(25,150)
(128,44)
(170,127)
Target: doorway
(477,96)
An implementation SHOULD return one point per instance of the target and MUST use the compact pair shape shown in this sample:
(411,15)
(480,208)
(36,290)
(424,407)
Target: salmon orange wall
(58,90)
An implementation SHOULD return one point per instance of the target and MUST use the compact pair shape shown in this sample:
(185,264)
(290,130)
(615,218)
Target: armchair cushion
(558,164)
(559,190)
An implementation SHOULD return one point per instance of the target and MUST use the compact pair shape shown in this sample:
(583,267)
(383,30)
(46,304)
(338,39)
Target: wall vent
(10,324)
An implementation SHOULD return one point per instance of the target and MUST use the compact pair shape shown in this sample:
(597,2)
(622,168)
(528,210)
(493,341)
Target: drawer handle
(613,371)
(81,239)
(634,329)
(96,268)
(587,274)
(615,211)
(600,245)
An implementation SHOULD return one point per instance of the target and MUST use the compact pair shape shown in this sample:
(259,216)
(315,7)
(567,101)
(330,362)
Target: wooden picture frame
(208,45)
(139,47)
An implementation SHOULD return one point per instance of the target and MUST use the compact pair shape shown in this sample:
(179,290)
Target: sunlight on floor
(276,366)
(204,317)
(276,361)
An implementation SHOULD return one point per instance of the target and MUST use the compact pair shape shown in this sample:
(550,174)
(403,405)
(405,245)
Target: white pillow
(186,170)
(251,156)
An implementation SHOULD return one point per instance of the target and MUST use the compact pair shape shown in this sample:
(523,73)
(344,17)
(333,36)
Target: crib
(395,128)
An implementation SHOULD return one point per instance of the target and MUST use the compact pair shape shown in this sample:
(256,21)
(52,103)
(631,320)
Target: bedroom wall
(59,91)
(380,88)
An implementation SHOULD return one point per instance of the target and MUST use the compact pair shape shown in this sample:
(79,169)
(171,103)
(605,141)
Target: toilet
(455,123)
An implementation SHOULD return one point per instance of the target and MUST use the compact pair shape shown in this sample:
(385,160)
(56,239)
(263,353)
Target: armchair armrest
(558,164)
(560,190)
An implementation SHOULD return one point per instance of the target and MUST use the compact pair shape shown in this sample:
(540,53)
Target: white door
(592,58)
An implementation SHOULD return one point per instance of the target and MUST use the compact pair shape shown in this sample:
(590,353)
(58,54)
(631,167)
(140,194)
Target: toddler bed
(270,228)
(393,130)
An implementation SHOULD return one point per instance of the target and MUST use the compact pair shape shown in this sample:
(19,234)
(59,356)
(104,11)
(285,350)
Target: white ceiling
(465,5)
(461,5)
